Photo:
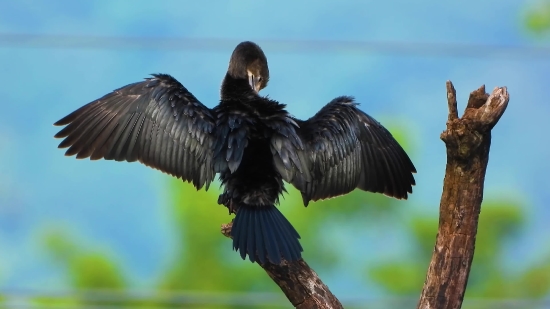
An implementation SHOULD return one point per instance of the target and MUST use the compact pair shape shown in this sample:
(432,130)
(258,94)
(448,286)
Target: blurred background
(102,234)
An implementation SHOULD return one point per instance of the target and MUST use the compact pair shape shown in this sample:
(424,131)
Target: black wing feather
(157,122)
(344,149)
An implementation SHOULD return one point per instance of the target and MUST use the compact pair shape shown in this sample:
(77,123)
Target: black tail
(264,233)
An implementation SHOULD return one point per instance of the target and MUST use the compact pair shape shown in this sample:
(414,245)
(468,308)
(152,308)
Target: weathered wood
(301,285)
(468,140)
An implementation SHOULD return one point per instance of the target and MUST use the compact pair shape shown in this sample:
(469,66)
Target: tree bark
(301,285)
(468,140)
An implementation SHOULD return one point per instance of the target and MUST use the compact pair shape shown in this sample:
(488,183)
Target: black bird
(250,140)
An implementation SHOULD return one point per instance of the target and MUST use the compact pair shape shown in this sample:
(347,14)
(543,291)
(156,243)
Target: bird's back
(248,126)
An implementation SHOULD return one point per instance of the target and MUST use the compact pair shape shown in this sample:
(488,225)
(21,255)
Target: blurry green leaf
(86,270)
(400,277)
(536,281)
(538,18)
(498,221)
(95,271)
(58,244)
(424,230)
(56,302)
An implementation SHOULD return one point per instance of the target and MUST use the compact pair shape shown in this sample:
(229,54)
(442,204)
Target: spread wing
(344,149)
(157,122)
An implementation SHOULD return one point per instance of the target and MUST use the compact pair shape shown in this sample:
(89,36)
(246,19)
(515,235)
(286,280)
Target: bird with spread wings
(251,141)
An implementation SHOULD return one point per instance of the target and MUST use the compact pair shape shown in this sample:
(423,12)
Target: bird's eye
(260,79)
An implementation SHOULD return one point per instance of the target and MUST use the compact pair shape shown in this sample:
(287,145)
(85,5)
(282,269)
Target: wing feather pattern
(157,122)
(344,149)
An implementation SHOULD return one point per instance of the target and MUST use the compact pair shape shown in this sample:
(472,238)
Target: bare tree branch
(301,285)
(468,140)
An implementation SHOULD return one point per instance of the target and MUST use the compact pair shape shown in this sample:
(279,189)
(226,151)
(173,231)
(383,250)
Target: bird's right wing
(157,122)
(343,149)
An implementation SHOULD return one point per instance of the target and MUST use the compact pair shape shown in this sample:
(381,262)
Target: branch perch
(468,140)
(301,285)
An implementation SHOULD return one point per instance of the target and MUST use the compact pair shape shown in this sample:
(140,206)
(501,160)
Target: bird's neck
(236,88)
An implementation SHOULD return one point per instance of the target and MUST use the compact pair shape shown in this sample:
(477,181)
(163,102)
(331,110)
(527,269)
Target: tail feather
(281,234)
(279,237)
(273,252)
(287,231)
(260,242)
(241,238)
(251,242)
(263,233)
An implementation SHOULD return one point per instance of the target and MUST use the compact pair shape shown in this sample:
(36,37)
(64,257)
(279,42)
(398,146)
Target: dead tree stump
(468,140)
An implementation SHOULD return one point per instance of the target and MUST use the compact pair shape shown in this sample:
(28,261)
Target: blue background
(43,78)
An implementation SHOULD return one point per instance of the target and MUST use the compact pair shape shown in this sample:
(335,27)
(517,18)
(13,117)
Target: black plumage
(251,141)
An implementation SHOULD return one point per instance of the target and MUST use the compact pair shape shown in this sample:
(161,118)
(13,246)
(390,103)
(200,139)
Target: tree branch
(468,140)
(301,285)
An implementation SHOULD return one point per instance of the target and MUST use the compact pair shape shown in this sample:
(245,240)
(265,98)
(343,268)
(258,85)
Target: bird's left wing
(157,122)
(343,149)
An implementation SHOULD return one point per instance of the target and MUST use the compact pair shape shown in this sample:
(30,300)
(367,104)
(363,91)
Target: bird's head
(248,62)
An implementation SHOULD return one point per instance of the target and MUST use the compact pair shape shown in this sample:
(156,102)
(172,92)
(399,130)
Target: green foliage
(204,260)
(95,271)
(85,270)
(536,280)
(400,277)
(69,302)
(537,18)
(500,221)
(59,245)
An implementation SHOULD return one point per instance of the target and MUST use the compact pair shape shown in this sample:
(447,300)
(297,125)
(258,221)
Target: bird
(251,141)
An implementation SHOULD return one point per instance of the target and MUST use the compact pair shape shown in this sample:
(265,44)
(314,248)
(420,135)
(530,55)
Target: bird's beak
(254,82)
